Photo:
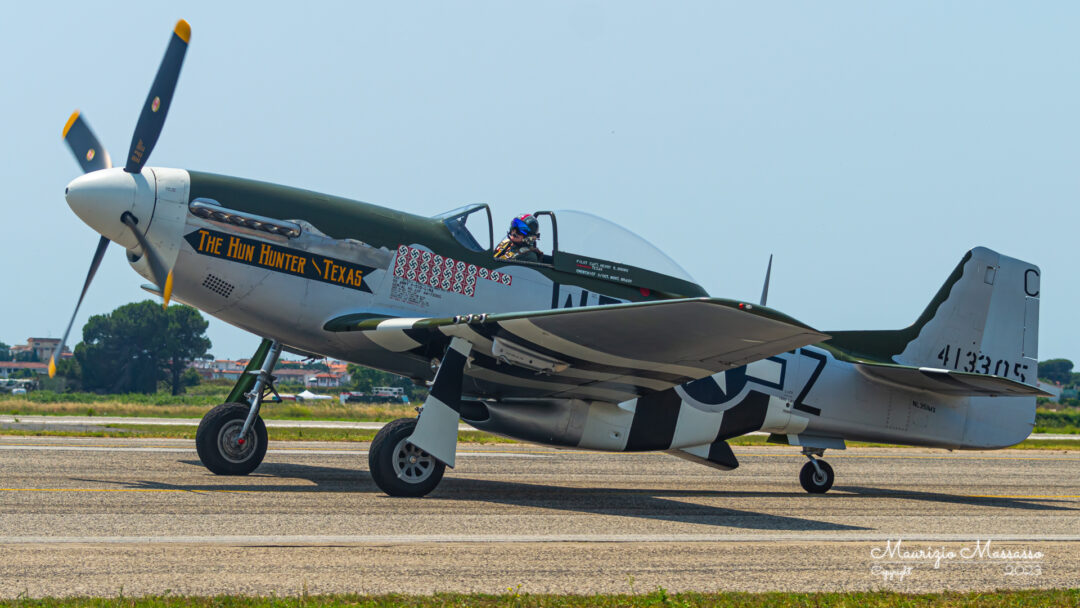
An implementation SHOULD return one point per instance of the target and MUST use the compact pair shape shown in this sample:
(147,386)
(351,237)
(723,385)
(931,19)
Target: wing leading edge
(612,352)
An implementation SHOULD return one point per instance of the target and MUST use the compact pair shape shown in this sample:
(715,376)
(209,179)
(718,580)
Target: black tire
(215,440)
(814,483)
(390,454)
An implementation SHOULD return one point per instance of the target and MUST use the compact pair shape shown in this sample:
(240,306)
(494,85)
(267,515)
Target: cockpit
(583,244)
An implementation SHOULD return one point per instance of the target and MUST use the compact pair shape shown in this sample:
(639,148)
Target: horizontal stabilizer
(947,381)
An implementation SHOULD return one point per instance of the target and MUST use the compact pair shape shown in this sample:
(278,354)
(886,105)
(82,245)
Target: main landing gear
(409,456)
(231,439)
(816,476)
(400,468)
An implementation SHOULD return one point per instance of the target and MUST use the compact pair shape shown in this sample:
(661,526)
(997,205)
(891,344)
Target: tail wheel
(816,482)
(398,467)
(218,445)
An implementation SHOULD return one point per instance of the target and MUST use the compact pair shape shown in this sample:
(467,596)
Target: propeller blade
(88,151)
(157,103)
(162,278)
(102,245)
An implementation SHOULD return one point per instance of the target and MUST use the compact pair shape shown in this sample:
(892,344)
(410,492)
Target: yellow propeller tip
(183,30)
(166,293)
(71,121)
(52,367)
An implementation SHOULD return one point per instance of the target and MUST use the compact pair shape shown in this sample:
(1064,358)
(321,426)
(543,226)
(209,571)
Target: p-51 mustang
(603,344)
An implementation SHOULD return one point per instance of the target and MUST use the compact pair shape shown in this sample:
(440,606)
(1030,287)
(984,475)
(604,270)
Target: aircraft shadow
(662,505)
(1031,504)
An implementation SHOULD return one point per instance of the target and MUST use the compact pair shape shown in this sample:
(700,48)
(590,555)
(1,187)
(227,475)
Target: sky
(867,146)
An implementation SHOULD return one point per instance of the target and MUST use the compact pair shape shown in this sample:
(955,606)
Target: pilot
(520,242)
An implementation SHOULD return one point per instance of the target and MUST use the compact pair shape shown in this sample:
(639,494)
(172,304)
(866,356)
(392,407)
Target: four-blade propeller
(91,156)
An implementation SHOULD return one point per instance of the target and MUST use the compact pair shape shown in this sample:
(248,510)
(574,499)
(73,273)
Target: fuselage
(289,264)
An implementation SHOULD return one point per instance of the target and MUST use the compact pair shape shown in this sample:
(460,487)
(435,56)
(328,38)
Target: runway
(105,516)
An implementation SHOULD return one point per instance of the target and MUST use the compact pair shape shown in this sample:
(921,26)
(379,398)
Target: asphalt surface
(111,516)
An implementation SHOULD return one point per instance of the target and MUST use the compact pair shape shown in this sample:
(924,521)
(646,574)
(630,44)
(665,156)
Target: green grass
(287,410)
(1057,421)
(660,597)
(274,433)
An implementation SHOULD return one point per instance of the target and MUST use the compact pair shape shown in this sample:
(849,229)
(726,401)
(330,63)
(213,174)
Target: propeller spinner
(102,193)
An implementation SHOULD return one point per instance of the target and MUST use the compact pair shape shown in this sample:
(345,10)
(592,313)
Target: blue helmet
(526,224)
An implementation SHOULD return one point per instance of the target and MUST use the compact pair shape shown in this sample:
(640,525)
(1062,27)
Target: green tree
(29,355)
(1056,370)
(185,341)
(137,345)
(5,352)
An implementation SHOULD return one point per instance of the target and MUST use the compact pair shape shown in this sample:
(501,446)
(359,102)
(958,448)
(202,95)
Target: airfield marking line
(1031,496)
(128,490)
(999,455)
(840,491)
(528,538)
(286,451)
(923,457)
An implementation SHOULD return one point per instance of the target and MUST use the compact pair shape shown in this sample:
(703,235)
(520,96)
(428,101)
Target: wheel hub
(234,448)
(411,464)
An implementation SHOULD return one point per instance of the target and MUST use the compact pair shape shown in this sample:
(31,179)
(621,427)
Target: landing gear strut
(232,439)
(816,476)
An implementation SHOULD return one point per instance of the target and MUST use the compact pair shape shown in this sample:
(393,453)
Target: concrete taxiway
(105,516)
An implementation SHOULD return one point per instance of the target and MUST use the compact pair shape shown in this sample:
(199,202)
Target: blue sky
(866,145)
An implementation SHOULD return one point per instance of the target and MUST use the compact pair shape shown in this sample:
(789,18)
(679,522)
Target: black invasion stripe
(799,405)
(491,331)
(746,417)
(447,385)
(653,426)
(489,363)
(720,453)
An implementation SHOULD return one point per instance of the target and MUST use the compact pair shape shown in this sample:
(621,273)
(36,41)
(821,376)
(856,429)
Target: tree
(137,345)
(5,352)
(185,341)
(1056,370)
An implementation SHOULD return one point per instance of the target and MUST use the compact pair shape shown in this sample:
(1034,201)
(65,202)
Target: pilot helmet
(527,225)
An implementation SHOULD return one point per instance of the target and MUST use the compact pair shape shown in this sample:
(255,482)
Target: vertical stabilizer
(984,319)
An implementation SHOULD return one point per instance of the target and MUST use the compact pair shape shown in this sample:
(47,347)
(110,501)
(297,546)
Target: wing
(947,382)
(611,353)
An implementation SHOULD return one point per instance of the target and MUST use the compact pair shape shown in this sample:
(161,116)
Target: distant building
(1053,389)
(287,372)
(7,368)
(41,347)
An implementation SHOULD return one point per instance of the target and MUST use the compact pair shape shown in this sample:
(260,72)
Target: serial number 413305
(968,361)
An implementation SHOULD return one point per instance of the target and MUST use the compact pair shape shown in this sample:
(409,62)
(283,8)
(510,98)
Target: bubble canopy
(594,236)
(581,243)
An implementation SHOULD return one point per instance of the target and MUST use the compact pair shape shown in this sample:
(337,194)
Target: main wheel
(216,440)
(400,468)
(814,482)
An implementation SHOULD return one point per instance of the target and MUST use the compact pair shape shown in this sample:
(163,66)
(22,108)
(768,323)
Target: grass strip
(660,597)
(289,410)
(309,434)
(274,433)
